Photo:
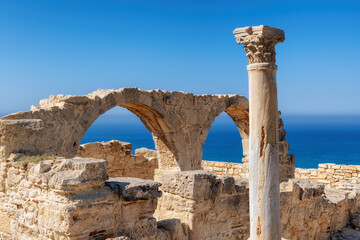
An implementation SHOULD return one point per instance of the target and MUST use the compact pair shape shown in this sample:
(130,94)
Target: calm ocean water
(313,140)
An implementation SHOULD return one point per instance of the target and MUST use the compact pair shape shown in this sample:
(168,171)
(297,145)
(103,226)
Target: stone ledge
(77,174)
(191,184)
(200,185)
(306,189)
(134,189)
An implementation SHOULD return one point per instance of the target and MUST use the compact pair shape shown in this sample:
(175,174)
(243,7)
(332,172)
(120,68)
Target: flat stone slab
(336,195)
(76,174)
(309,189)
(134,189)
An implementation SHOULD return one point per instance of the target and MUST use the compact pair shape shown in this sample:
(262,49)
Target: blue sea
(313,139)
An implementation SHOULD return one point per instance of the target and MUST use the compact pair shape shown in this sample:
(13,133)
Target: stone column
(264,193)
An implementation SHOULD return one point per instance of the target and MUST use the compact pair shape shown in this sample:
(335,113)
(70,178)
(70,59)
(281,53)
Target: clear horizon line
(282,115)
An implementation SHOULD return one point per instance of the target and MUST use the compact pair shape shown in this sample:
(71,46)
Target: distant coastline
(313,139)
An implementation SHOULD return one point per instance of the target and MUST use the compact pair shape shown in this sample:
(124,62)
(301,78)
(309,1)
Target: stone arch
(178,121)
(59,123)
(241,118)
(237,108)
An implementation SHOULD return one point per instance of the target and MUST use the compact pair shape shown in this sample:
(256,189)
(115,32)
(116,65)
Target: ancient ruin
(51,187)
(263,121)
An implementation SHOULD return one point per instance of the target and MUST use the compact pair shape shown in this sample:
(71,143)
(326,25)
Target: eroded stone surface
(178,121)
(134,189)
(351,231)
(121,162)
(332,175)
(259,42)
(308,210)
(68,199)
(171,229)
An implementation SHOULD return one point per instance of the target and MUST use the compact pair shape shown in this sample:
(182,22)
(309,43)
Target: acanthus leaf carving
(259,42)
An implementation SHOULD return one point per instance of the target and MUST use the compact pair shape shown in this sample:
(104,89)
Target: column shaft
(265,221)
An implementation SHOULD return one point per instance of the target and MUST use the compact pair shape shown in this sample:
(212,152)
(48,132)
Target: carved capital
(259,42)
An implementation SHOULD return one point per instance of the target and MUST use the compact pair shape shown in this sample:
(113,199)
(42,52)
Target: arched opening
(223,143)
(119,124)
(120,137)
(230,133)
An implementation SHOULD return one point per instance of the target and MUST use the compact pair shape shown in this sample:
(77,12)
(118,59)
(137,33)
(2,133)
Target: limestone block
(336,195)
(308,189)
(243,183)
(120,161)
(348,175)
(143,229)
(134,189)
(173,228)
(162,234)
(322,175)
(336,167)
(330,170)
(79,173)
(228,184)
(147,153)
(352,167)
(191,184)
(323,165)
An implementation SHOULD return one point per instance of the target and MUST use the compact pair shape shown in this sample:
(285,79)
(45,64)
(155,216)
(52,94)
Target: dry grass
(26,159)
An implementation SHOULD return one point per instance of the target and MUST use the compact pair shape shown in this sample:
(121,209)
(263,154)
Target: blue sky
(77,46)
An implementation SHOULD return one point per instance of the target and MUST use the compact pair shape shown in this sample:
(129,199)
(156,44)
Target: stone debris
(355,221)
(351,231)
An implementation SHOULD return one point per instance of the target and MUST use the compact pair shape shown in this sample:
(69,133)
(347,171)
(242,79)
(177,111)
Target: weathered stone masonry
(332,175)
(218,207)
(121,163)
(178,121)
(72,196)
(74,199)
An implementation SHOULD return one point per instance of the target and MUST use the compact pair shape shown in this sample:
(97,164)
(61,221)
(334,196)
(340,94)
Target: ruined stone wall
(238,170)
(217,207)
(121,161)
(178,121)
(310,211)
(330,174)
(286,161)
(241,170)
(74,199)
(210,207)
